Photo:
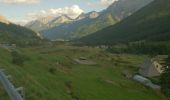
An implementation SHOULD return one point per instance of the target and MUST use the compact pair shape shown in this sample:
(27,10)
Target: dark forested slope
(152,23)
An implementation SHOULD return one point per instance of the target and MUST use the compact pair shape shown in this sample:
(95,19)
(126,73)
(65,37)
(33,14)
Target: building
(146,82)
(150,68)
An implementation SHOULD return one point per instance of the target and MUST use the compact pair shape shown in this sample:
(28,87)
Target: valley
(50,73)
(67,28)
(85,50)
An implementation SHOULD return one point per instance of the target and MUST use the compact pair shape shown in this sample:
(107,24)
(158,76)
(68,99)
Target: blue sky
(25,10)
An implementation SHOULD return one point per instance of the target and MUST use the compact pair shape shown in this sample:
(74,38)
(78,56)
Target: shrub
(52,70)
(17,58)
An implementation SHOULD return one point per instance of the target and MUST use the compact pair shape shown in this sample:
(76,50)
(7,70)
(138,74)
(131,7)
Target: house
(150,68)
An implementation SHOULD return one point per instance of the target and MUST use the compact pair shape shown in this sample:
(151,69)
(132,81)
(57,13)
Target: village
(150,68)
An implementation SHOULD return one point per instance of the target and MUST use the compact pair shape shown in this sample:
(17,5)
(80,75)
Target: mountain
(60,20)
(91,15)
(47,22)
(75,28)
(124,8)
(39,24)
(3,20)
(148,24)
(15,34)
(93,21)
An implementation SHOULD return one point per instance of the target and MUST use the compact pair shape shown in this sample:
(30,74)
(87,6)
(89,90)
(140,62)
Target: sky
(22,11)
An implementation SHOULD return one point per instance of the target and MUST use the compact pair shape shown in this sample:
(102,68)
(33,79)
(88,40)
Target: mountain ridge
(16,34)
(149,24)
(88,25)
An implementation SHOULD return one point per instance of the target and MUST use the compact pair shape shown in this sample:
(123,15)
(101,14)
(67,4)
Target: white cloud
(20,1)
(104,3)
(73,12)
(107,2)
(20,22)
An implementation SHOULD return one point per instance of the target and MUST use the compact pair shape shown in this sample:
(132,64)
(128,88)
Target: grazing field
(50,73)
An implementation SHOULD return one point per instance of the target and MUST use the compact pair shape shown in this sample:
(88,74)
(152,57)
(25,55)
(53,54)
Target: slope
(150,24)
(11,33)
(51,74)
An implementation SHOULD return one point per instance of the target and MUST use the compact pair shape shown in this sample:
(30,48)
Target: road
(12,92)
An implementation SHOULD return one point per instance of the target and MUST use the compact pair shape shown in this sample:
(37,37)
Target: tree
(165,78)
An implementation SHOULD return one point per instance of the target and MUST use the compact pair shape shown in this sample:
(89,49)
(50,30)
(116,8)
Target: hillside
(86,25)
(50,73)
(11,33)
(149,24)
(124,8)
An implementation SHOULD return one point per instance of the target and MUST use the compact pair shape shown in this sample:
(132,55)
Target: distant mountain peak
(48,22)
(91,15)
(60,20)
(46,19)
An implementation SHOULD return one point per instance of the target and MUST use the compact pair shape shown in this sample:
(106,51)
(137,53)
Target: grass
(86,82)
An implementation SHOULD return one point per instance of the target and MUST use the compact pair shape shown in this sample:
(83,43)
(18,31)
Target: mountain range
(87,23)
(123,21)
(148,24)
(71,30)
(47,22)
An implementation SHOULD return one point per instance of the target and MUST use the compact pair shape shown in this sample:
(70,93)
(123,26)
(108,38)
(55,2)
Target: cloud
(20,1)
(104,3)
(21,22)
(107,2)
(73,12)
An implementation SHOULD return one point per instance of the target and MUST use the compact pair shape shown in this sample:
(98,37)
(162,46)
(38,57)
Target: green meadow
(50,73)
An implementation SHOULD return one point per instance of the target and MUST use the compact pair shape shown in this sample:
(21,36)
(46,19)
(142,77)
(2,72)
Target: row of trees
(165,78)
(141,48)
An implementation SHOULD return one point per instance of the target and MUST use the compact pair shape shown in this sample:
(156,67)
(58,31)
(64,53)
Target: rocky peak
(93,14)
(90,15)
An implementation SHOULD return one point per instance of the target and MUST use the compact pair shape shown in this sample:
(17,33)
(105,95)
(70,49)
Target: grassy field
(51,74)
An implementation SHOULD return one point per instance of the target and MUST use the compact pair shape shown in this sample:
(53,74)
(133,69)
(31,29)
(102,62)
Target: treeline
(21,36)
(165,78)
(141,48)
